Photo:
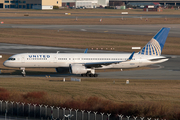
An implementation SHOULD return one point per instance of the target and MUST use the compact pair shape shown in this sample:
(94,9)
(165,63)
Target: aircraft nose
(5,63)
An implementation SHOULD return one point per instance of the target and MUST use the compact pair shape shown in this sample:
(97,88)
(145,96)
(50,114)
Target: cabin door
(22,59)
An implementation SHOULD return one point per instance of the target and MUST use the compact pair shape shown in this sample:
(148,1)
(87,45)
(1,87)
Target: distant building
(103,2)
(30,4)
(85,3)
(143,2)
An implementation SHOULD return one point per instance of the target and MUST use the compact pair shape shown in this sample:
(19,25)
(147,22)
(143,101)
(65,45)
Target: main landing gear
(23,72)
(89,75)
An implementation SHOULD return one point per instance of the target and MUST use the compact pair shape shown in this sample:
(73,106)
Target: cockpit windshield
(11,59)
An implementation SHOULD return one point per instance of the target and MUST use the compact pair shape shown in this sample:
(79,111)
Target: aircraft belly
(44,64)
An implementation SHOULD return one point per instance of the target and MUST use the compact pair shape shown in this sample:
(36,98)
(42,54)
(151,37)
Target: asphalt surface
(169,70)
(54,16)
(117,29)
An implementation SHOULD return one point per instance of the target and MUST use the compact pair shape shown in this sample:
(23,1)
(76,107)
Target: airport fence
(45,112)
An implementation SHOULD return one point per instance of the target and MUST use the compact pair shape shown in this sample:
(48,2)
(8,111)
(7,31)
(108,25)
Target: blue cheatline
(156,44)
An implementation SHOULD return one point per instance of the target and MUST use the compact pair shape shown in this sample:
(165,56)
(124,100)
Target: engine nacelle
(77,69)
(62,70)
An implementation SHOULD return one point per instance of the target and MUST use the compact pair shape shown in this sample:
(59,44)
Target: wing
(99,64)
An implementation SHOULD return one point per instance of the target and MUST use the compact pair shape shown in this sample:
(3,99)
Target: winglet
(86,50)
(131,56)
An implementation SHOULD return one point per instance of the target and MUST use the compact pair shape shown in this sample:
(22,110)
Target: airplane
(85,63)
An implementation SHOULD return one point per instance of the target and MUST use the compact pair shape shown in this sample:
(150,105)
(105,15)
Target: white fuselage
(65,59)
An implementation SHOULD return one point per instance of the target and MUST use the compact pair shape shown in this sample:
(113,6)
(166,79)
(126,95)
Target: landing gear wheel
(83,75)
(95,75)
(91,75)
(24,75)
(87,75)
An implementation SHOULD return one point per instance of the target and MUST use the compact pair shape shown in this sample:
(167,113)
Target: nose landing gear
(23,72)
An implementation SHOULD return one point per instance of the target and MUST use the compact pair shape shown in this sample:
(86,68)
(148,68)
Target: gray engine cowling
(77,69)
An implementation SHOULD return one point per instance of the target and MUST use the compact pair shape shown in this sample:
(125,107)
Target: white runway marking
(83,30)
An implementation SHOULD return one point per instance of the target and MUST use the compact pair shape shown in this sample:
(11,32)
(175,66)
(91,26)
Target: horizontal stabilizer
(86,50)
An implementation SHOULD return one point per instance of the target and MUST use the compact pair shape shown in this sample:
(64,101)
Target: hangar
(84,3)
(142,2)
(30,4)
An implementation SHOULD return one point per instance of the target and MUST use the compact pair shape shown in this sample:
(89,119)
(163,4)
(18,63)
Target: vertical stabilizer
(156,44)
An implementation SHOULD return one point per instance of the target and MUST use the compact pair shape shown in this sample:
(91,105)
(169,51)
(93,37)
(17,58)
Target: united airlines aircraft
(86,63)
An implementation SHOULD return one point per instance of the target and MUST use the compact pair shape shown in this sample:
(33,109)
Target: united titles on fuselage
(39,56)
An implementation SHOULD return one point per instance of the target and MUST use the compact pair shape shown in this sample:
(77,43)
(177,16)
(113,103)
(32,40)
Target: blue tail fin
(156,44)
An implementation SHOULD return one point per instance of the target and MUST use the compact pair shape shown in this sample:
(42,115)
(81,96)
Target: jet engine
(77,69)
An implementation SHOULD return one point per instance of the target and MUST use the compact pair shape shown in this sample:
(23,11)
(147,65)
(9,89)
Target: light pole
(76,113)
(102,115)
(52,111)
(64,111)
(128,117)
(89,114)
(1,105)
(95,115)
(108,115)
(29,109)
(34,110)
(46,110)
(70,111)
(58,111)
(82,114)
(23,107)
(17,107)
(120,116)
(12,102)
(6,106)
(40,106)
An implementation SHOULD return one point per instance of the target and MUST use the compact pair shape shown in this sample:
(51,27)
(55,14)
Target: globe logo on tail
(151,48)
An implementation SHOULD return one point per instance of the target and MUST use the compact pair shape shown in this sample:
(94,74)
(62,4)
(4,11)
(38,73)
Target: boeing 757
(85,64)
